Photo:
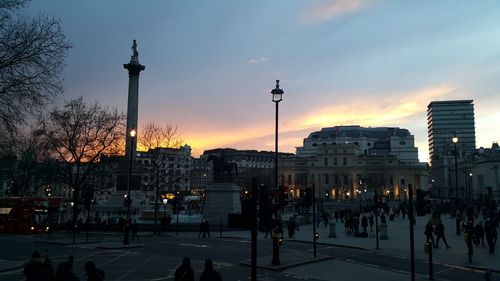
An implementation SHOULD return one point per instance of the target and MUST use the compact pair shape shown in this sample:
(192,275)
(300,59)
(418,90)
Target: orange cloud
(380,109)
(376,110)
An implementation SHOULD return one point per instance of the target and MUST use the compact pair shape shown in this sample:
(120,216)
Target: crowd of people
(41,269)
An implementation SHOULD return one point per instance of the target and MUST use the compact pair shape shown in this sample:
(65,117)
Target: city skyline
(210,66)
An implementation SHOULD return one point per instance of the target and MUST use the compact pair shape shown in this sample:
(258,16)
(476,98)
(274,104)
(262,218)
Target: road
(161,255)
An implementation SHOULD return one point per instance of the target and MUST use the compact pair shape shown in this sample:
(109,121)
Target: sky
(210,65)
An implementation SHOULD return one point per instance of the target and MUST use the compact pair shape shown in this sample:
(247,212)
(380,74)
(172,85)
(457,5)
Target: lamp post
(455,141)
(128,199)
(471,197)
(165,202)
(72,204)
(277,94)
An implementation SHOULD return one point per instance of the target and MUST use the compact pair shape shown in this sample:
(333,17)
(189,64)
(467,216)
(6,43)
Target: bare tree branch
(32,51)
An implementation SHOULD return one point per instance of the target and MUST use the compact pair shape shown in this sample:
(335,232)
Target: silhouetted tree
(77,136)
(157,137)
(32,51)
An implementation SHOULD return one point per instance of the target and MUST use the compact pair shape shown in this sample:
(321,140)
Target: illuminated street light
(127,196)
(277,94)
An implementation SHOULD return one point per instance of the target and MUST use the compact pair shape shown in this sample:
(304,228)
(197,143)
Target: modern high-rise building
(447,119)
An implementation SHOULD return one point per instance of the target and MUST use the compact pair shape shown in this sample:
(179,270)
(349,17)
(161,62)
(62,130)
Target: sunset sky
(210,65)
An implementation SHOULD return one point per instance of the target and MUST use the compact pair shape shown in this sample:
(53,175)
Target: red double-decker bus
(27,215)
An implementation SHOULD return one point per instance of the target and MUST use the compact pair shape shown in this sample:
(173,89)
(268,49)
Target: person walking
(291,227)
(364,223)
(439,230)
(184,272)
(209,273)
(469,235)
(428,233)
(479,234)
(93,273)
(370,220)
(204,229)
(491,234)
(135,228)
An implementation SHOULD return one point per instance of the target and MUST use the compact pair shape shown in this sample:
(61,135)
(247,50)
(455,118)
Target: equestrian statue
(222,170)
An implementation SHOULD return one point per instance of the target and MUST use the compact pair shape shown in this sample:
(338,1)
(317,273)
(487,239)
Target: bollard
(220,227)
(383,232)
(332,234)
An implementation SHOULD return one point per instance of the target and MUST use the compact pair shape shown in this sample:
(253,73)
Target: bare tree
(32,51)
(155,137)
(77,136)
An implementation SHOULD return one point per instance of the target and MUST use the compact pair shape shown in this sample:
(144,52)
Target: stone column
(134,68)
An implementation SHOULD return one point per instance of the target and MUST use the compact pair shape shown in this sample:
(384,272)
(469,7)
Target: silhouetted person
(491,234)
(33,268)
(364,223)
(469,235)
(134,230)
(93,273)
(204,228)
(65,272)
(428,233)
(439,230)
(209,273)
(184,272)
(479,234)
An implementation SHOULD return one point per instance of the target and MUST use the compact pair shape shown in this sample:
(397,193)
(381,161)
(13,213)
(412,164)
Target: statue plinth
(222,198)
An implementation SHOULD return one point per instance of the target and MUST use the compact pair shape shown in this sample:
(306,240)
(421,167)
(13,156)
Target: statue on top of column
(134,49)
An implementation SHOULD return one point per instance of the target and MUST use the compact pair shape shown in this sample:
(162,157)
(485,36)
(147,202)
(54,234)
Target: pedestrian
(33,268)
(468,236)
(491,234)
(93,273)
(64,272)
(439,230)
(382,218)
(134,231)
(479,234)
(364,223)
(291,227)
(325,216)
(370,220)
(428,233)
(204,229)
(209,273)
(184,272)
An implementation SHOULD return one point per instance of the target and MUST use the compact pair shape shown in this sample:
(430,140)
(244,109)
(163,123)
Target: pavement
(397,244)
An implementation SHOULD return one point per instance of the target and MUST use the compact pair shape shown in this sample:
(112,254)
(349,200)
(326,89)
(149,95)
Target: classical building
(370,141)
(347,162)
(478,176)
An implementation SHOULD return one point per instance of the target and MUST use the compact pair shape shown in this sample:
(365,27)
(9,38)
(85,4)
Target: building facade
(447,120)
(370,141)
(353,162)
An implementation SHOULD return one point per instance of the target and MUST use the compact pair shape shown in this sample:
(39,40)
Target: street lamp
(277,94)
(165,202)
(455,141)
(457,220)
(128,198)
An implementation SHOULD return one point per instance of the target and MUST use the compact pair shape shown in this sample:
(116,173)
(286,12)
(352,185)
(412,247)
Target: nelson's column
(134,69)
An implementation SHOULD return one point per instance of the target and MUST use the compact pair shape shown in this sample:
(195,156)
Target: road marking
(194,245)
(135,268)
